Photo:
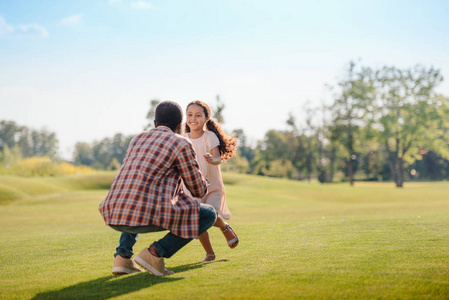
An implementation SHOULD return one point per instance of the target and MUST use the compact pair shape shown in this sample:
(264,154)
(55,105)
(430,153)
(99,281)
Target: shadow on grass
(113,286)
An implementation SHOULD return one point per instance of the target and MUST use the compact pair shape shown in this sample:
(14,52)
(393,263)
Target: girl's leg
(205,241)
(227,231)
(220,223)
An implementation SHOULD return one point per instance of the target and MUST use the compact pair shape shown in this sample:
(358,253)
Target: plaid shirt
(147,190)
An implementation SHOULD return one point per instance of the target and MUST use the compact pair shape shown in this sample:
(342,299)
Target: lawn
(298,241)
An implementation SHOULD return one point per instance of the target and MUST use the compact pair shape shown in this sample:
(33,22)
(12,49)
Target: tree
(432,166)
(30,142)
(411,116)
(151,114)
(83,154)
(351,111)
(272,148)
(105,154)
(310,142)
(26,142)
(44,143)
(119,146)
(9,133)
(294,145)
(101,151)
(244,150)
(325,160)
(218,114)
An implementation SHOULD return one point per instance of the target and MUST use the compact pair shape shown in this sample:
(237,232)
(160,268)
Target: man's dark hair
(168,113)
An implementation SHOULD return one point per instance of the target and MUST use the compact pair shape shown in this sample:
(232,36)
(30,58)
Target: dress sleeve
(212,140)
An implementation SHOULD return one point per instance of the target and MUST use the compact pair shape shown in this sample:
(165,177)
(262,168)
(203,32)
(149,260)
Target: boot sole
(123,271)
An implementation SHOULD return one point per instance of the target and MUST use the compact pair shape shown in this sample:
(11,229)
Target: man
(147,196)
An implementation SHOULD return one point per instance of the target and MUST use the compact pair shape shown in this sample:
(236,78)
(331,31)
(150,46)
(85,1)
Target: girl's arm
(213,157)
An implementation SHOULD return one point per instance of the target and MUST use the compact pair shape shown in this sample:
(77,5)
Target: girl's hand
(211,159)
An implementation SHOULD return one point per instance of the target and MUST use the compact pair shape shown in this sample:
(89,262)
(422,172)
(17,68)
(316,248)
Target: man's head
(168,113)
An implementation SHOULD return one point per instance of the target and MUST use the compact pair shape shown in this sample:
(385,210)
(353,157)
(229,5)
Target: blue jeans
(170,243)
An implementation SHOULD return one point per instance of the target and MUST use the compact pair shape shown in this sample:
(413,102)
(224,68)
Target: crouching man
(146,196)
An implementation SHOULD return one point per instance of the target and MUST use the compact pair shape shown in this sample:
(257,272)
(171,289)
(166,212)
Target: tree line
(17,142)
(385,124)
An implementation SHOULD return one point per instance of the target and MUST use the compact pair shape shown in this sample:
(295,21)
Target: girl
(212,146)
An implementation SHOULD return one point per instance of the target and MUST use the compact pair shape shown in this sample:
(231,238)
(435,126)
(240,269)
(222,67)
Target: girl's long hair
(228,143)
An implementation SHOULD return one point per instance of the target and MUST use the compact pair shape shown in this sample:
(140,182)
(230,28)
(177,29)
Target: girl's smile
(196,118)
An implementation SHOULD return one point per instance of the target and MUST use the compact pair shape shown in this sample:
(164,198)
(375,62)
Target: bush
(43,166)
(280,168)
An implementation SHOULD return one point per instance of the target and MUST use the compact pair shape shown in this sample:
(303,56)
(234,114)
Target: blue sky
(88,69)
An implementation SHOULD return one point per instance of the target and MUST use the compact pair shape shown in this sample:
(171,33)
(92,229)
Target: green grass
(298,240)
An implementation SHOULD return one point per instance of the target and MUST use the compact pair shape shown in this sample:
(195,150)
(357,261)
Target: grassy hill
(298,240)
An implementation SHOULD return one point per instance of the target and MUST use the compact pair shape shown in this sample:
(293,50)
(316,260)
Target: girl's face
(196,118)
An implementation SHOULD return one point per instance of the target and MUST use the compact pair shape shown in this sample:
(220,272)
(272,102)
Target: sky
(88,69)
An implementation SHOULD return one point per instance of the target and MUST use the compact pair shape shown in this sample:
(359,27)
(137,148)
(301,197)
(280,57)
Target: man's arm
(190,172)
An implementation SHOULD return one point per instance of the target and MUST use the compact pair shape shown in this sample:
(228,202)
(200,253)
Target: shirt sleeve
(212,140)
(190,172)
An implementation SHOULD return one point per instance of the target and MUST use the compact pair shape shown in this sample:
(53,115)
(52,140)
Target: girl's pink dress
(216,193)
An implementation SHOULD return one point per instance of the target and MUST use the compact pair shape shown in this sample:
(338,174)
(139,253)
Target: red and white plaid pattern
(147,190)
